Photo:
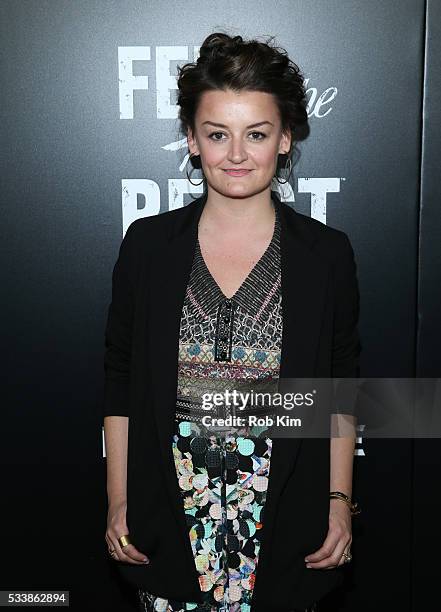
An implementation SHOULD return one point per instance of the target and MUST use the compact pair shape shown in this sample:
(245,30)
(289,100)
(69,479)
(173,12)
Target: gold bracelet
(353,507)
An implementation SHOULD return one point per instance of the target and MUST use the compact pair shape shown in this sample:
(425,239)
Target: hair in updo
(229,62)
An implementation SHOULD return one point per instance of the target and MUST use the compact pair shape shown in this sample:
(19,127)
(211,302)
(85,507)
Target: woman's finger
(126,554)
(330,553)
(337,557)
(325,550)
(134,555)
(112,548)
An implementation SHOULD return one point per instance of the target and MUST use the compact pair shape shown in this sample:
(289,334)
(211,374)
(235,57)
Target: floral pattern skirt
(223,480)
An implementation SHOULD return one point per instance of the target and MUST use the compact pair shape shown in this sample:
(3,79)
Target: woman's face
(238,136)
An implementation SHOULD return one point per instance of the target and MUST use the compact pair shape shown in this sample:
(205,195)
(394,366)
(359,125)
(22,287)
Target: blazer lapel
(304,283)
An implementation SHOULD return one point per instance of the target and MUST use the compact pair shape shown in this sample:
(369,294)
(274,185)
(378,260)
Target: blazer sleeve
(346,345)
(118,331)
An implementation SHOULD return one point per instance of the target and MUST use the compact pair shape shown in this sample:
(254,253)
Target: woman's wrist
(339,496)
(115,502)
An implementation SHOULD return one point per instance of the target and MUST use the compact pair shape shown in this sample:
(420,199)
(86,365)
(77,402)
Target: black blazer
(320,339)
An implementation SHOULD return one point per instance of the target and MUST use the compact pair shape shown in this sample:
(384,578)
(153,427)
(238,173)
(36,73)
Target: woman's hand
(337,541)
(117,527)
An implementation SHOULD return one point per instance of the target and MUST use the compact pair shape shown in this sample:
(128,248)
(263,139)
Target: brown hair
(227,62)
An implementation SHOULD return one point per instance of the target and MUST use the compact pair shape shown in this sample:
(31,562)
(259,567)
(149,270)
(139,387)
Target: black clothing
(320,339)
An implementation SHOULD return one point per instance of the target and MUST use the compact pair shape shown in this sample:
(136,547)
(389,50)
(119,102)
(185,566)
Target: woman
(254,292)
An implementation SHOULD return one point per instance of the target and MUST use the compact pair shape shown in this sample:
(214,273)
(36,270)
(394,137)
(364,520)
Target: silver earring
(288,170)
(193,168)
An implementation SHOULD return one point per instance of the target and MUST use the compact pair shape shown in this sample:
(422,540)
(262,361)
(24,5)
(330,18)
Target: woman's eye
(216,134)
(220,135)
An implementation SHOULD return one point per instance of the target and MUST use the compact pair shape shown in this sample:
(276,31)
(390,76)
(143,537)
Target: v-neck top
(224,339)
(269,259)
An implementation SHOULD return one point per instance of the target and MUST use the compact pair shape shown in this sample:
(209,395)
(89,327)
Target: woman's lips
(237,172)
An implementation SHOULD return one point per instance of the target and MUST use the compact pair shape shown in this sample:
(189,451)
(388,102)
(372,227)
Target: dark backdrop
(90,141)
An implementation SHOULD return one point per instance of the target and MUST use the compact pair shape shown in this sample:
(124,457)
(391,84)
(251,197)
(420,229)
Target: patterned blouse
(223,471)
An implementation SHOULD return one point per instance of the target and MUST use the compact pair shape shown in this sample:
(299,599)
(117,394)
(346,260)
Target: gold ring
(124,540)
(347,556)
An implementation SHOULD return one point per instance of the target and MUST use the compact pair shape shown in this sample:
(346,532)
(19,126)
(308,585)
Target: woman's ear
(285,142)
(192,143)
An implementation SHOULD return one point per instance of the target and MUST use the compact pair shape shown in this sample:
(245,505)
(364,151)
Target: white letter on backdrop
(130,190)
(166,81)
(318,188)
(177,188)
(128,82)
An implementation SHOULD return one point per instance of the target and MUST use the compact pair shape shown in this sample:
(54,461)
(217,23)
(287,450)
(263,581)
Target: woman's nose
(237,152)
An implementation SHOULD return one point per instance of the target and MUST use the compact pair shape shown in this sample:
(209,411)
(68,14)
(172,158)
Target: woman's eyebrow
(221,125)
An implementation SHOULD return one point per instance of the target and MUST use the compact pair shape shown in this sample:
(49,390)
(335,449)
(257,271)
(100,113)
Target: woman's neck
(237,215)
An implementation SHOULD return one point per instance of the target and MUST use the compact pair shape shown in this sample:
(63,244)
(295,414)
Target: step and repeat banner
(91,141)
